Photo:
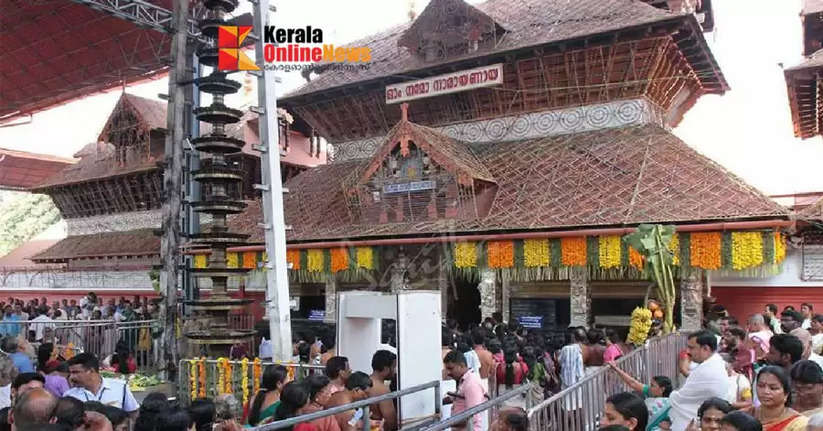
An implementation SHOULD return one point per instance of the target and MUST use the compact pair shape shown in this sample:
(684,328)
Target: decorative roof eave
(802,85)
(812,213)
(404,132)
(45,188)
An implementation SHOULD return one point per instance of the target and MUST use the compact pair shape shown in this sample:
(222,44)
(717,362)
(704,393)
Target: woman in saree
(267,399)
(774,392)
(656,395)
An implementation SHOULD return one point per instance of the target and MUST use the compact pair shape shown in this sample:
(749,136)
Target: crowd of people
(37,321)
(766,375)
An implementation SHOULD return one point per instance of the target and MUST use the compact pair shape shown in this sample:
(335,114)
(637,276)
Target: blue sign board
(413,186)
(317,315)
(534,322)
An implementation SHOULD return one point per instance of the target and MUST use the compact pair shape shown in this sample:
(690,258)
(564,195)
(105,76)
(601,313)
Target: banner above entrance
(485,76)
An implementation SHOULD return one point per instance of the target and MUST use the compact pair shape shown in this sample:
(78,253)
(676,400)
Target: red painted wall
(745,301)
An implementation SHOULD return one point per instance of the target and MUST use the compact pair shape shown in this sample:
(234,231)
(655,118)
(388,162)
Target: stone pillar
(331,300)
(506,294)
(488,296)
(444,286)
(581,297)
(398,273)
(691,301)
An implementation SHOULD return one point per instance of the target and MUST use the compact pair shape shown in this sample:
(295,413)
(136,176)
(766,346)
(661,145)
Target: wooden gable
(447,28)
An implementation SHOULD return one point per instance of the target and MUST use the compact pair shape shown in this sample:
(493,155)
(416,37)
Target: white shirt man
(709,379)
(88,385)
(42,322)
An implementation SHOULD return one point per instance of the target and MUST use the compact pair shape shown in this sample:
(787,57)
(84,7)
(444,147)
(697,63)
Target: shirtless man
(357,386)
(384,366)
(485,356)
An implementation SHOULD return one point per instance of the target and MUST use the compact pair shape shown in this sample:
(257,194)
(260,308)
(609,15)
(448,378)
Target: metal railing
(212,373)
(578,407)
(98,337)
(364,404)
(491,406)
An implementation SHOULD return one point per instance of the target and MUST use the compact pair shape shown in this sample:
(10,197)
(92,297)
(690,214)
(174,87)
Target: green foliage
(22,216)
(651,241)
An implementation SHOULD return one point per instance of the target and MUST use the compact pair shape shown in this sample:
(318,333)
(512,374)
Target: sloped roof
(128,243)
(528,23)
(802,89)
(97,164)
(812,212)
(55,51)
(21,169)
(609,177)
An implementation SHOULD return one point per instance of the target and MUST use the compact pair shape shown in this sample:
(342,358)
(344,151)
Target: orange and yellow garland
(705,250)
(244,382)
(257,373)
(536,253)
(293,257)
(747,250)
(500,254)
(339,259)
(193,378)
(635,259)
(573,251)
(609,251)
(465,254)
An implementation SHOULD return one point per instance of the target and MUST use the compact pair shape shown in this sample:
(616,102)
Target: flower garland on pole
(229,378)
(221,375)
(193,378)
(257,373)
(201,372)
(244,382)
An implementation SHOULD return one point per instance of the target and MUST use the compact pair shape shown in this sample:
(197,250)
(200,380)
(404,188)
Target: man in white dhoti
(708,380)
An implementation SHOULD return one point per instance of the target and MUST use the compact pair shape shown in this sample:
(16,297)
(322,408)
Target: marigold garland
(244,380)
(779,247)
(221,375)
(536,253)
(609,251)
(229,378)
(465,254)
(293,257)
(573,251)
(201,373)
(747,250)
(200,261)
(193,378)
(365,257)
(249,260)
(339,259)
(705,250)
(674,248)
(635,259)
(257,373)
(232,260)
(315,260)
(500,254)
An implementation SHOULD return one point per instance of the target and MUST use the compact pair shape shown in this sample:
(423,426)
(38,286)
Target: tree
(652,242)
(22,216)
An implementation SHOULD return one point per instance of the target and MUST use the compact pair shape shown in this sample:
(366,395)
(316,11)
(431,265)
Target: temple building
(111,199)
(498,152)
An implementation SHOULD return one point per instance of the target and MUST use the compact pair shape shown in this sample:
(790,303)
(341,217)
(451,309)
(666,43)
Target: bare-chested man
(357,386)
(384,366)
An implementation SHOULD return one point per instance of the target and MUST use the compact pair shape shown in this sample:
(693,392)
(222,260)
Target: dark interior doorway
(466,308)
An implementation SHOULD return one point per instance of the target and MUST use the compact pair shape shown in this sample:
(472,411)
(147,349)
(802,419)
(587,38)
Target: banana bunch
(641,323)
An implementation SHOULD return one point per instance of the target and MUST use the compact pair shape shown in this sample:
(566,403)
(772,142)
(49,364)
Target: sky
(748,130)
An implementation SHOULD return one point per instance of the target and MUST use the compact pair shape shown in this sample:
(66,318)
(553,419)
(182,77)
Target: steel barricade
(491,406)
(98,337)
(185,383)
(364,404)
(578,407)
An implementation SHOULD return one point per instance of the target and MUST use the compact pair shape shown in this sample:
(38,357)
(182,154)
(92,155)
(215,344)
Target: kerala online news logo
(283,45)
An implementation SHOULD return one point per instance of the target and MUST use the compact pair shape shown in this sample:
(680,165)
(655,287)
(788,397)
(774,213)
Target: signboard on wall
(414,186)
(454,82)
(534,313)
